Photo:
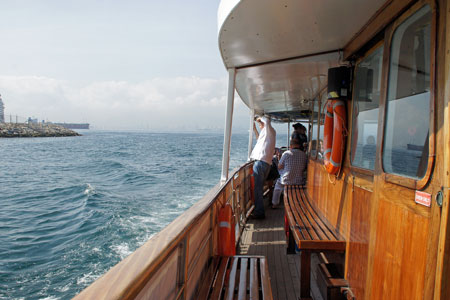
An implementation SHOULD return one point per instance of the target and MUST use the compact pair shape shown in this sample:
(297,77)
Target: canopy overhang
(282,49)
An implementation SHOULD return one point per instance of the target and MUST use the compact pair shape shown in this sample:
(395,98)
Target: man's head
(299,128)
(294,144)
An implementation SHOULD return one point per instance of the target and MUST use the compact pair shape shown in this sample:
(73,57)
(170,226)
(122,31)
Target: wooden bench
(240,277)
(310,232)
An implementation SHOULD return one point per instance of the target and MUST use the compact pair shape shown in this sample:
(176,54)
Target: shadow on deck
(266,237)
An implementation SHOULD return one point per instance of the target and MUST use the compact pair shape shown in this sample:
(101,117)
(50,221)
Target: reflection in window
(405,149)
(313,143)
(366,99)
(323,108)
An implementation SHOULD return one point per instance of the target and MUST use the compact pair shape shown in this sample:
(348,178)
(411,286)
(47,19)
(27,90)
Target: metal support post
(289,134)
(228,124)
(250,133)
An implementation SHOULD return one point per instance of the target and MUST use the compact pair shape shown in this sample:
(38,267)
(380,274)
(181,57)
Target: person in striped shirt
(291,166)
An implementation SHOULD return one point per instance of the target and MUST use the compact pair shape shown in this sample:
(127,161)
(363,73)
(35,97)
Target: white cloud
(179,103)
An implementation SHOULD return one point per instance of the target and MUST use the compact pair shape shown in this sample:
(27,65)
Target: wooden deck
(266,237)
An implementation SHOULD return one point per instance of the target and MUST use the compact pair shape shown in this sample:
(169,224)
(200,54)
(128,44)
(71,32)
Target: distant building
(32,121)
(74,125)
(2,111)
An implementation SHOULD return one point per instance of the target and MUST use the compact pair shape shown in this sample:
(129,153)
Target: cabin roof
(282,49)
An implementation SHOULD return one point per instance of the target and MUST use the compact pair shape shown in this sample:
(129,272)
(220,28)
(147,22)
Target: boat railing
(173,263)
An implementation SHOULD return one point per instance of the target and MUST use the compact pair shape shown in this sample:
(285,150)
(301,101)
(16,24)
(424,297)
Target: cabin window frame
(322,96)
(356,169)
(397,179)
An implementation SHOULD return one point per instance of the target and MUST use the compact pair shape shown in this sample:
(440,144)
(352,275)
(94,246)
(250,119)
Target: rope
(335,176)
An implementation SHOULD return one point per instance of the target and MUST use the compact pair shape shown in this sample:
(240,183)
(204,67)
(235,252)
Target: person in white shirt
(291,166)
(262,154)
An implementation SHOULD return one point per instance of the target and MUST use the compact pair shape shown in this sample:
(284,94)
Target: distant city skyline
(116,65)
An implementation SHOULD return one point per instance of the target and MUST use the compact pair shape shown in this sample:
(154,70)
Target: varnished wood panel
(197,235)
(442,286)
(400,253)
(164,283)
(359,241)
(445,288)
(331,196)
(193,282)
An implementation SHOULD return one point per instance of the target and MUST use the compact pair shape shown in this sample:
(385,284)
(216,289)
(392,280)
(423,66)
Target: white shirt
(265,146)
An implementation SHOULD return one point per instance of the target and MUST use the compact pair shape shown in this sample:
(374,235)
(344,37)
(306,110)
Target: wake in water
(89,190)
(72,208)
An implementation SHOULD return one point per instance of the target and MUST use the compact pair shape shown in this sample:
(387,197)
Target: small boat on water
(373,219)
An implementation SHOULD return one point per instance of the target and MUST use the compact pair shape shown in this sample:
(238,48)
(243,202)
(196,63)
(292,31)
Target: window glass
(313,142)
(323,108)
(405,149)
(366,99)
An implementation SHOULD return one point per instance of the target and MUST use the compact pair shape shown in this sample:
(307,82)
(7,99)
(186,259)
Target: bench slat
(265,279)
(303,218)
(254,282)
(326,224)
(243,280)
(321,228)
(291,220)
(293,216)
(298,221)
(251,272)
(229,292)
(309,230)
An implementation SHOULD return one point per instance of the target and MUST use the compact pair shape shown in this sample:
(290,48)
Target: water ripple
(74,207)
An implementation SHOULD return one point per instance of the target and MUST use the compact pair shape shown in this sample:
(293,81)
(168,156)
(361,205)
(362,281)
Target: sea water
(73,207)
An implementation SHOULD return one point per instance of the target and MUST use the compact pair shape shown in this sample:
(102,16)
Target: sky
(118,65)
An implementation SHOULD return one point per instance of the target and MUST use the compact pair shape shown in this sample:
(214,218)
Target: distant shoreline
(18,130)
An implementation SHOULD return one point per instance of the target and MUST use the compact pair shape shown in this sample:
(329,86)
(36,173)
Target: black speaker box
(339,83)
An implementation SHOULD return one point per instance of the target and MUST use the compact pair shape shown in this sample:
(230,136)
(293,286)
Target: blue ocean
(73,207)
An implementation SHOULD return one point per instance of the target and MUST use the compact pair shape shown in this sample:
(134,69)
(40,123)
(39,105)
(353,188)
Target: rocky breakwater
(9,130)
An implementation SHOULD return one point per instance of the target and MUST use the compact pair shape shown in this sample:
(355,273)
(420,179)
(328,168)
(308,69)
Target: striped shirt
(291,165)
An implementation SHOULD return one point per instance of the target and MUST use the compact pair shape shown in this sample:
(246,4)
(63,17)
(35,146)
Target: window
(405,150)
(366,99)
(313,142)
(323,110)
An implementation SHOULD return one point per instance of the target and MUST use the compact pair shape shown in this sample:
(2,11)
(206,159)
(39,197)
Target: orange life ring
(227,238)
(334,135)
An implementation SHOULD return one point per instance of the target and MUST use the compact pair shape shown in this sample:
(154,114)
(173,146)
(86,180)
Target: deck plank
(266,237)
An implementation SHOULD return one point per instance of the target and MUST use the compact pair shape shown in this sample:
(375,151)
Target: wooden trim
(183,266)
(394,178)
(388,12)
(360,171)
(378,165)
(441,287)
(355,169)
